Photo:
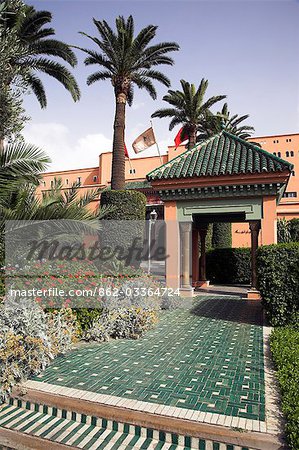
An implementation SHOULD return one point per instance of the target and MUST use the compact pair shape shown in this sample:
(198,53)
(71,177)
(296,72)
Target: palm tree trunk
(118,151)
(192,138)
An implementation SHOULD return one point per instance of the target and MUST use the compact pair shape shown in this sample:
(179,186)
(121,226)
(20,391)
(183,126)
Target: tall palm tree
(188,108)
(127,60)
(215,123)
(36,49)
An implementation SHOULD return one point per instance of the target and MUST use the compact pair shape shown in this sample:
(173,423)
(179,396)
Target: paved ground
(208,358)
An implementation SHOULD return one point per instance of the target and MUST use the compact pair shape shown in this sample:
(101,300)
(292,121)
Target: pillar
(186,228)
(254,227)
(195,256)
(269,221)
(172,246)
(203,229)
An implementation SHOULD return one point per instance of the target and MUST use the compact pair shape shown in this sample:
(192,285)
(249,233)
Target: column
(254,226)
(172,246)
(186,228)
(195,256)
(202,262)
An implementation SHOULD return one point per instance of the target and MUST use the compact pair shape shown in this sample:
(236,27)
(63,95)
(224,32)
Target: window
(293,173)
(66,181)
(275,141)
(274,153)
(132,171)
(292,153)
(95,179)
(79,181)
(287,154)
(289,140)
(52,183)
(279,154)
(290,194)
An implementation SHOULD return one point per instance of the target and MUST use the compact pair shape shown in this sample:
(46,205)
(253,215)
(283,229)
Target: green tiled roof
(223,154)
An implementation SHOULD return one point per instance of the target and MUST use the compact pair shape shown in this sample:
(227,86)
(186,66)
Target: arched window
(287,154)
(292,153)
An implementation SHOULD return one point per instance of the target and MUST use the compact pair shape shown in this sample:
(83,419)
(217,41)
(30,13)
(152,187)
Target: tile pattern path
(207,359)
(85,432)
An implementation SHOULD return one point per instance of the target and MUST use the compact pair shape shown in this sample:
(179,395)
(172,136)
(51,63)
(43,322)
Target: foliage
(222,120)
(285,349)
(294,230)
(188,108)
(121,323)
(29,340)
(86,316)
(229,265)
(36,47)
(278,282)
(222,235)
(62,329)
(126,60)
(11,109)
(283,231)
(127,205)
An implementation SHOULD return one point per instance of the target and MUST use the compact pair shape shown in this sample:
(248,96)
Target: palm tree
(188,108)
(222,120)
(20,163)
(34,51)
(127,60)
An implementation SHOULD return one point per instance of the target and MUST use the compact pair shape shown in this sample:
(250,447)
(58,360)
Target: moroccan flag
(126,151)
(179,138)
(144,141)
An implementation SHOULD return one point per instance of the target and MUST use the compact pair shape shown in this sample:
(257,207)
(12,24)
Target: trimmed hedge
(229,265)
(278,282)
(294,230)
(127,205)
(285,349)
(222,235)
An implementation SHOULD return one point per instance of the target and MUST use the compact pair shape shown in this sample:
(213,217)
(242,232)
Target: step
(36,426)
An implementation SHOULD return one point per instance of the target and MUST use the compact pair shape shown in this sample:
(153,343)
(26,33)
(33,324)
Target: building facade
(285,147)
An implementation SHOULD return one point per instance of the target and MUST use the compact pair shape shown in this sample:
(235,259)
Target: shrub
(128,214)
(278,282)
(222,235)
(294,230)
(285,349)
(62,329)
(229,265)
(125,205)
(283,231)
(121,323)
(29,340)
(86,316)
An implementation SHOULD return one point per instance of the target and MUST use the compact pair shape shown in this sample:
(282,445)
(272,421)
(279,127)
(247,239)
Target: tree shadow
(230,309)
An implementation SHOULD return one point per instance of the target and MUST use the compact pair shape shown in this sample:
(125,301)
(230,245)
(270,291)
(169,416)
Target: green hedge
(294,230)
(125,205)
(222,235)
(285,349)
(278,282)
(229,265)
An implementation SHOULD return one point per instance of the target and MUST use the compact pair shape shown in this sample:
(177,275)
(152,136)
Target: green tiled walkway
(209,358)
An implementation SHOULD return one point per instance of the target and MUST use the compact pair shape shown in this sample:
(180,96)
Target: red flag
(126,151)
(179,138)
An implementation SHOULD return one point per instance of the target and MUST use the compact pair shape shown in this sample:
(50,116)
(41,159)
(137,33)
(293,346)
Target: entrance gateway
(223,179)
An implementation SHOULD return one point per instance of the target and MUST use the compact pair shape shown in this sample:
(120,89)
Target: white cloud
(66,153)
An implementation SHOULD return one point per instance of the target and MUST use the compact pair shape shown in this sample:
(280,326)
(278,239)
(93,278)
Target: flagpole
(151,122)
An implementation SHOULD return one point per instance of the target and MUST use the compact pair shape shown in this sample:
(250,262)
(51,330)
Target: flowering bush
(29,340)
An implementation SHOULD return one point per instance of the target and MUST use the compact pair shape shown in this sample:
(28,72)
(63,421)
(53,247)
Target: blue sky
(248,50)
